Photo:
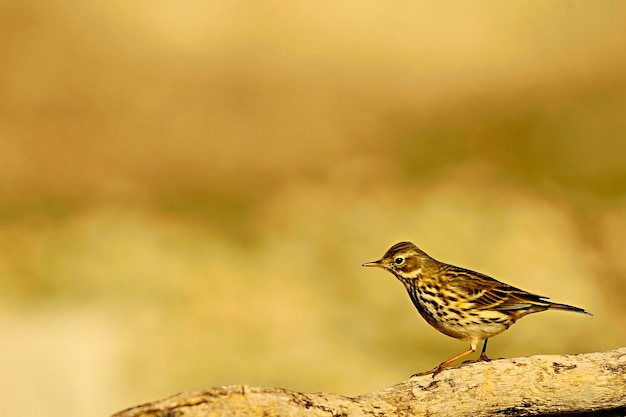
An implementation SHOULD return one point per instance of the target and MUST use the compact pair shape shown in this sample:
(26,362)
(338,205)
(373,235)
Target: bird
(459,302)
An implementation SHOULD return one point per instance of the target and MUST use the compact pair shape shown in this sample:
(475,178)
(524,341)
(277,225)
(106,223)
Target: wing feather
(487,293)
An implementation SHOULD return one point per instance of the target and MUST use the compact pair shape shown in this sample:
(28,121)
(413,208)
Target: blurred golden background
(188,189)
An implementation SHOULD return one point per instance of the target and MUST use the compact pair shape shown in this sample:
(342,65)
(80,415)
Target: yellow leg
(442,365)
(472,349)
(483,356)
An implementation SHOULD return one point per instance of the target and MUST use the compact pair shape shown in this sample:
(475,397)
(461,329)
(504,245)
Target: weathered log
(537,385)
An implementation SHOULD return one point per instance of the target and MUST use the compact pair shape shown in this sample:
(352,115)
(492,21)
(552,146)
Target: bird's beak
(378,264)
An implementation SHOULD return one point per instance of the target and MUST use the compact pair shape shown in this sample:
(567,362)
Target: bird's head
(404,260)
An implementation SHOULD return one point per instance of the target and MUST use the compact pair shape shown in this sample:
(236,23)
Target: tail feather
(565,307)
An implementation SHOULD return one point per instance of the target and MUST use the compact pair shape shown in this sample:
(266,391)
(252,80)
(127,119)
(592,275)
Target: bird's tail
(565,307)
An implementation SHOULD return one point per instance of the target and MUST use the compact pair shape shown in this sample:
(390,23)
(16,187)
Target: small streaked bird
(458,302)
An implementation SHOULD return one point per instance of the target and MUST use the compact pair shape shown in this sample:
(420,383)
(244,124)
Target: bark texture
(593,383)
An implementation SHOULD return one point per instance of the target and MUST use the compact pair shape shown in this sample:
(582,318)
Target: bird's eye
(399,260)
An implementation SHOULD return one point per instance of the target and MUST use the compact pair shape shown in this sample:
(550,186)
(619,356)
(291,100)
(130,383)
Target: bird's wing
(487,293)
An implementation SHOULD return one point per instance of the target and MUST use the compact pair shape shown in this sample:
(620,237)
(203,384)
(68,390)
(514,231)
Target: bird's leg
(444,364)
(483,356)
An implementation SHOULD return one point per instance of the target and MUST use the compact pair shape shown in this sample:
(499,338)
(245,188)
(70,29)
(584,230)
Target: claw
(435,371)
(481,358)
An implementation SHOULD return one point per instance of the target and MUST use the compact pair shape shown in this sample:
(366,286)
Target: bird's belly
(456,318)
(473,330)
(465,327)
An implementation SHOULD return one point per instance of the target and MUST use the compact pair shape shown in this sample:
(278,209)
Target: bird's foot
(436,370)
(482,358)
(448,364)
